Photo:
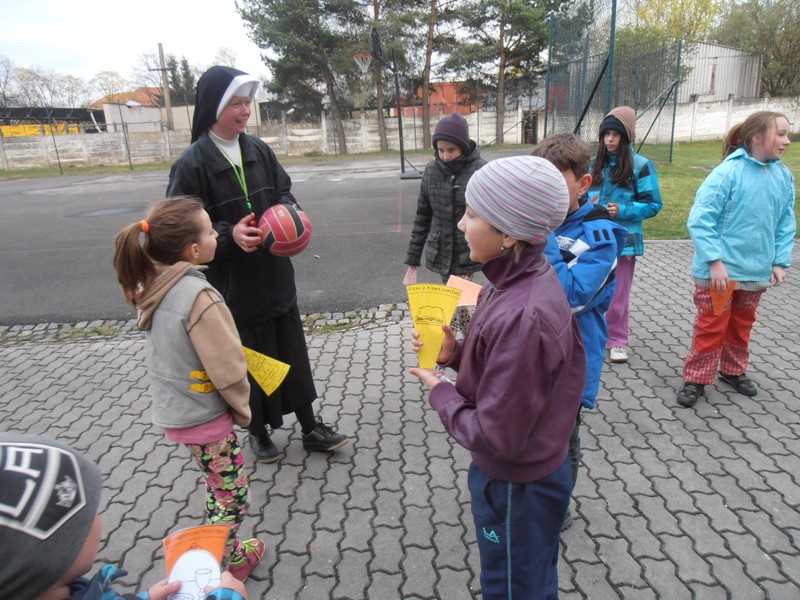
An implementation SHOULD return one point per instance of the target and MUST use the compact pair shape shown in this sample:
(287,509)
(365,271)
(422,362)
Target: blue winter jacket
(743,214)
(584,252)
(637,202)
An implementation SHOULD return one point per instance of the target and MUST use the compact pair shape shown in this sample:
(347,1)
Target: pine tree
(313,43)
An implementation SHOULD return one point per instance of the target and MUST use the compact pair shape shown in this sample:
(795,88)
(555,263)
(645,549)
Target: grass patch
(679,181)
(85,332)
(71,170)
(358,317)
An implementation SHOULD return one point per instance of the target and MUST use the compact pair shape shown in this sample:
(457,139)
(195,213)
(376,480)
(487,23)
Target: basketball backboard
(375,45)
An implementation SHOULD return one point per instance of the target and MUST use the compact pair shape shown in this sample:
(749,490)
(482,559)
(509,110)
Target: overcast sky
(76,38)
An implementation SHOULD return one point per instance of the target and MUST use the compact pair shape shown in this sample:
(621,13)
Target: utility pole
(165,88)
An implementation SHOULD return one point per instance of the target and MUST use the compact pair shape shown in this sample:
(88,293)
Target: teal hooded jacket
(639,200)
(743,214)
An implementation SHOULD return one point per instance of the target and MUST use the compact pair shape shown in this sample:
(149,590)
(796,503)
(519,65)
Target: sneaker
(264,449)
(323,439)
(741,383)
(250,554)
(689,394)
(618,354)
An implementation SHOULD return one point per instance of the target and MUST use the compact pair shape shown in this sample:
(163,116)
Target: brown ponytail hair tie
(145,226)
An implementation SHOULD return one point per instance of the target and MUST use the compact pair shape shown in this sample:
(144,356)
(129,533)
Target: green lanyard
(239,172)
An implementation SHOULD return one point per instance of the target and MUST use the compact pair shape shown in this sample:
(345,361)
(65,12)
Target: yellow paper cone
(431,307)
(268,372)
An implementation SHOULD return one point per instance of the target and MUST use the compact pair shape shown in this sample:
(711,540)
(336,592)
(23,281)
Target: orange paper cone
(469,290)
(210,538)
(720,299)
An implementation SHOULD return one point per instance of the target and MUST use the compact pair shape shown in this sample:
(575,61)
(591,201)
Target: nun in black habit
(238,177)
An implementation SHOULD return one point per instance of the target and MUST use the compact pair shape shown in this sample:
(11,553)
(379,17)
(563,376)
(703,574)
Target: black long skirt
(281,338)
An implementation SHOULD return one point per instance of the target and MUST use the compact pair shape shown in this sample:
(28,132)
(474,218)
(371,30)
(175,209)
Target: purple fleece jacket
(521,372)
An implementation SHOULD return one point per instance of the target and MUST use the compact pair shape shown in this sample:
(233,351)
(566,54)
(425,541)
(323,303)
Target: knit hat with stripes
(525,197)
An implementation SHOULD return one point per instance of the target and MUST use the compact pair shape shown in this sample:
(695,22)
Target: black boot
(264,449)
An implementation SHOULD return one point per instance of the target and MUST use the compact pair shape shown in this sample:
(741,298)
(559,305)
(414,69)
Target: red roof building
(146,96)
(442,98)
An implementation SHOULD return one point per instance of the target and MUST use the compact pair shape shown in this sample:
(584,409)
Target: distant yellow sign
(431,307)
(38,130)
(268,372)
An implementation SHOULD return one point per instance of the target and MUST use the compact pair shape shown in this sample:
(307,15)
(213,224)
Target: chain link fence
(594,66)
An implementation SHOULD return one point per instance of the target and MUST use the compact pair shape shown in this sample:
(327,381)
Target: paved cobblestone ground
(671,503)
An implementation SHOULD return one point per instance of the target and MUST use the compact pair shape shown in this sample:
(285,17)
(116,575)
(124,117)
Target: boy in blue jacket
(583,250)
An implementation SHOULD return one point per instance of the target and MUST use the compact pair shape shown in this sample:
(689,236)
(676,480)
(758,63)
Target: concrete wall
(698,121)
(113,148)
(701,120)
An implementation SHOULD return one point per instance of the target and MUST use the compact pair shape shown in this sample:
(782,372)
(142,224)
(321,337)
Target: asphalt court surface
(56,241)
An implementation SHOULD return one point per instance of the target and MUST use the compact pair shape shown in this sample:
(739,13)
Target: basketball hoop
(363,61)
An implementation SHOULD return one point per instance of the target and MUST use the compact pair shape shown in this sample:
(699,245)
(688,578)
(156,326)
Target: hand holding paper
(720,299)
(193,557)
(410,278)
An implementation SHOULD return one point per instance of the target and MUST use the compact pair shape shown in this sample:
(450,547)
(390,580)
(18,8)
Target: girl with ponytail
(196,365)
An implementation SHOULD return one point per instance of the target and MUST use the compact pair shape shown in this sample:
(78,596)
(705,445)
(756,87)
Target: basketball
(285,230)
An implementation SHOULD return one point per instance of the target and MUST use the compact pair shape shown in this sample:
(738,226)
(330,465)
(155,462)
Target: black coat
(440,206)
(257,285)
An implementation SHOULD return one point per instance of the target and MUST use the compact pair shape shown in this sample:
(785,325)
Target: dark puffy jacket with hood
(440,206)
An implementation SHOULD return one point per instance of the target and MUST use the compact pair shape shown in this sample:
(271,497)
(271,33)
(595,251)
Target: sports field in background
(691,163)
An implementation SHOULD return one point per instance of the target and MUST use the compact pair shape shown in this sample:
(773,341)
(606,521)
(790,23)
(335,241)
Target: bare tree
(226,57)
(8,96)
(108,84)
(378,74)
(37,87)
(72,92)
(146,74)
(426,78)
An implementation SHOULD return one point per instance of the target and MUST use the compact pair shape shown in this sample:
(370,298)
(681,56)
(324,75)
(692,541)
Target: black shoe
(741,383)
(264,449)
(689,394)
(323,439)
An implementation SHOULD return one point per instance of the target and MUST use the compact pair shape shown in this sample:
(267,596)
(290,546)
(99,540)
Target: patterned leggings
(227,489)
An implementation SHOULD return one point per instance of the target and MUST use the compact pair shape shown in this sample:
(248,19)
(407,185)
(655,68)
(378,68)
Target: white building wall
(719,72)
